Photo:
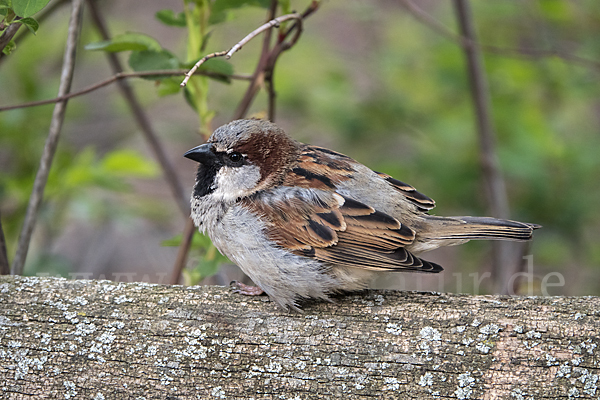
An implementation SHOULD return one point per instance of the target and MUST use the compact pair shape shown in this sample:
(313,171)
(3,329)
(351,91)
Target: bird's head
(242,158)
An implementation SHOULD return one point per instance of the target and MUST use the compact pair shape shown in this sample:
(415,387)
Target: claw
(241,288)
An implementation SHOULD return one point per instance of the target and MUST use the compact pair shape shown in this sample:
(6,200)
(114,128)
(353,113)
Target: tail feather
(467,228)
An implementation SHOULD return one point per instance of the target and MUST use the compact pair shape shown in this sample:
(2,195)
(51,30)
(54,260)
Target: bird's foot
(242,288)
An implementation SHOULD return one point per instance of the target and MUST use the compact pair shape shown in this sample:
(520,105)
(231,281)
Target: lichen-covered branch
(100,340)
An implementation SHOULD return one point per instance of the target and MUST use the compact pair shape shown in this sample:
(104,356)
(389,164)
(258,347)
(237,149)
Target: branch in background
(279,48)
(259,72)
(141,118)
(4,265)
(495,189)
(268,78)
(58,115)
(440,28)
(117,77)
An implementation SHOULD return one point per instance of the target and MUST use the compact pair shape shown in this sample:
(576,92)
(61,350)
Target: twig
(8,34)
(268,77)
(4,265)
(279,48)
(259,72)
(497,198)
(51,142)
(440,28)
(237,46)
(117,77)
(171,177)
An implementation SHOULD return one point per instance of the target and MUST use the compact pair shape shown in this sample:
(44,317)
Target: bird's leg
(248,290)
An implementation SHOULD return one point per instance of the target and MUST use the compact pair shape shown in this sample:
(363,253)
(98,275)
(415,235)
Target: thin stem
(269,75)
(52,141)
(259,71)
(117,77)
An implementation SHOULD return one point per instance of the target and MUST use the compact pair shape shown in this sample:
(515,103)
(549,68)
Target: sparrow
(306,222)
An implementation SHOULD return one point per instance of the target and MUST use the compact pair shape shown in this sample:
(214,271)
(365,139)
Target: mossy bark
(104,340)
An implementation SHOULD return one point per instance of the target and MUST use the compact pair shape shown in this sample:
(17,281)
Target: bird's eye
(235,157)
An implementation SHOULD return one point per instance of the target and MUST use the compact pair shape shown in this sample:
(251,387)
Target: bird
(305,222)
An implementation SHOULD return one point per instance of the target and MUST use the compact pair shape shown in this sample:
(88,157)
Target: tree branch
(268,78)
(463,41)
(100,339)
(259,72)
(51,142)
(117,77)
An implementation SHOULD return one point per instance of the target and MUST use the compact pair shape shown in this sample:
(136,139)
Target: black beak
(203,154)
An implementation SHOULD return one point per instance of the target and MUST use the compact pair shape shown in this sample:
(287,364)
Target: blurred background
(373,79)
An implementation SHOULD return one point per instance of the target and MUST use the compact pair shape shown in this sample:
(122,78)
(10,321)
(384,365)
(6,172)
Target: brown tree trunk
(104,340)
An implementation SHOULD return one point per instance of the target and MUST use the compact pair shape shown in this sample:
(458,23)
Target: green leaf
(217,65)
(26,8)
(286,7)
(30,23)
(152,60)
(9,47)
(169,86)
(126,42)
(129,163)
(220,8)
(168,17)
(199,241)
(206,268)
(190,98)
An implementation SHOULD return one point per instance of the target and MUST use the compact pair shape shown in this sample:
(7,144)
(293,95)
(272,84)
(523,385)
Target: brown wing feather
(424,203)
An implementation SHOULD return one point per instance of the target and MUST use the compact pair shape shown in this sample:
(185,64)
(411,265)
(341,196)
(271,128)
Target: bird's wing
(306,216)
(423,202)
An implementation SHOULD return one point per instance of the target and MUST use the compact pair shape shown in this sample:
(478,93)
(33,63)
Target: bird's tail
(467,228)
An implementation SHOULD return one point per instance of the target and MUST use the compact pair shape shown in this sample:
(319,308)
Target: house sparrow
(305,222)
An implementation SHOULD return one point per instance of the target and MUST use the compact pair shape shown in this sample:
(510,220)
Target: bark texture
(104,340)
